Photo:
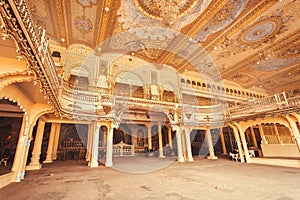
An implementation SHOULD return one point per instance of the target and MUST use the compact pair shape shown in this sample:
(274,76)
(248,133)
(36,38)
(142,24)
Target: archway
(11,117)
(72,142)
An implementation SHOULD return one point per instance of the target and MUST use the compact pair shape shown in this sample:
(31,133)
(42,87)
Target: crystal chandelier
(170,13)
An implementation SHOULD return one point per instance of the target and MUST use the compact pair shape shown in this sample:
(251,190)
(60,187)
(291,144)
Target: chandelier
(170,12)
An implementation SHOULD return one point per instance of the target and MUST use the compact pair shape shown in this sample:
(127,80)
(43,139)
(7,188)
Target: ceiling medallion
(167,11)
(261,31)
(168,15)
(83,24)
(87,3)
(223,18)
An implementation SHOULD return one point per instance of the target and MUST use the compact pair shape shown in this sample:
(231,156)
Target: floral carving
(83,24)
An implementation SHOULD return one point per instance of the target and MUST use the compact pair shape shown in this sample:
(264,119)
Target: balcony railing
(272,104)
(279,139)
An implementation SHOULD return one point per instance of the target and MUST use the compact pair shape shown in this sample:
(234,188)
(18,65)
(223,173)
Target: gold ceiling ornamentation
(223,18)
(148,15)
(154,8)
(167,11)
(83,24)
(265,29)
(87,3)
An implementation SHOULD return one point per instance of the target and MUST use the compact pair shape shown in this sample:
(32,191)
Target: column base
(33,167)
(190,159)
(108,164)
(54,158)
(94,163)
(180,159)
(212,157)
(48,161)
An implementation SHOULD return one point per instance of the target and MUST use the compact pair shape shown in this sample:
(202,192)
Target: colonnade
(182,135)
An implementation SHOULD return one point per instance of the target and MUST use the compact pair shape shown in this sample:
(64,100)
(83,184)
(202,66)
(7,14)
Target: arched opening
(229,139)
(11,117)
(198,143)
(72,142)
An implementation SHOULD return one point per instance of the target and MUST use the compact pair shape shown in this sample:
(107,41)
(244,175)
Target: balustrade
(123,149)
(277,139)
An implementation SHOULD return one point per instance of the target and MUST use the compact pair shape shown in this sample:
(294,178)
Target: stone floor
(157,178)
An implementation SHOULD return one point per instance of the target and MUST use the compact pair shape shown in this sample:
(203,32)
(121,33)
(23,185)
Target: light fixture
(106,9)
(62,39)
(19,57)
(4,36)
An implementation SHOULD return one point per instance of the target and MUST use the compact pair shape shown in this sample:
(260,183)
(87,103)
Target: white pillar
(210,145)
(179,143)
(188,145)
(22,166)
(56,141)
(109,149)
(238,141)
(36,152)
(262,134)
(223,141)
(50,144)
(244,143)
(20,151)
(95,150)
(160,144)
(276,129)
(149,137)
(170,137)
(27,142)
(295,130)
(89,143)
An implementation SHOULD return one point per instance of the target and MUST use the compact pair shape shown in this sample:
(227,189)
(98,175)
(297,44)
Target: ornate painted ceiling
(254,43)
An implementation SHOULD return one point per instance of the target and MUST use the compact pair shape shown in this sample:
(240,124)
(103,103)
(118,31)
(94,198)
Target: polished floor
(157,178)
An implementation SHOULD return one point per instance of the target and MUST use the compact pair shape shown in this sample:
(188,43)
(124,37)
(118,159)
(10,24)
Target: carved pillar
(50,144)
(109,150)
(223,141)
(210,145)
(262,134)
(244,143)
(183,142)
(188,145)
(160,144)
(20,150)
(247,136)
(295,130)
(149,137)
(253,137)
(56,140)
(179,143)
(170,137)
(20,170)
(89,144)
(95,145)
(238,141)
(276,129)
(36,152)
(27,141)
